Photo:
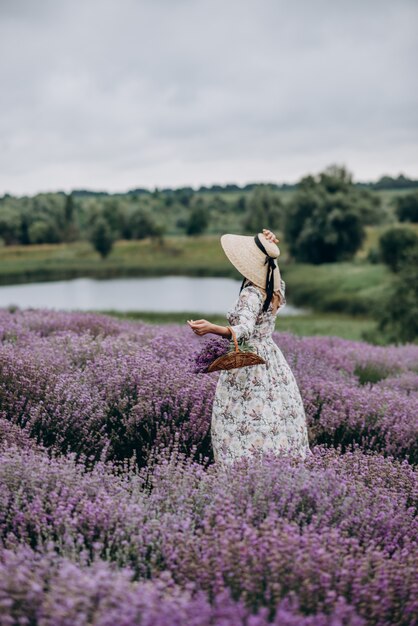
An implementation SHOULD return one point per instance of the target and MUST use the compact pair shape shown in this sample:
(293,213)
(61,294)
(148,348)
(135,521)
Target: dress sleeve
(246,310)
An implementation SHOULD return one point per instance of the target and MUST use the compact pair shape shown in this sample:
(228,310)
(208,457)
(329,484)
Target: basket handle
(234,337)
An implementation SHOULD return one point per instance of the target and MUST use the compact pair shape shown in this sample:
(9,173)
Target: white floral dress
(257,408)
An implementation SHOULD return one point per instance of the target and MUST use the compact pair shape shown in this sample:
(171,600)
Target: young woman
(257,408)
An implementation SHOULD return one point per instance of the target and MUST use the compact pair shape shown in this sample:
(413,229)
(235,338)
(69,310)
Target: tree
(184,195)
(10,225)
(368,206)
(395,245)
(71,230)
(401,182)
(141,224)
(198,220)
(241,204)
(323,222)
(219,204)
(398,317)
(406,207)
(264,209)
(69,209)
(101,237)
(43,231)
(336,178)
(112,211)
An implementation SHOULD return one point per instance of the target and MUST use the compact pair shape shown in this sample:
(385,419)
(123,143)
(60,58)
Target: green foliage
(184,195)
(198,219)
(42,231)
(368,206)
(349,287)
(141,224)
(398,317)
(241,204)
(218,204)
(69,209)
(264,209)
(69,217)
(324,222)
(406,207)
(10,225)
(335,178)
(395,245)
(372,372)
(71,231)
(401,182)
(373,256)
(101,237)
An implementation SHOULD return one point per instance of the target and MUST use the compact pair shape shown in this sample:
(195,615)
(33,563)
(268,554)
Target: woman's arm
(247,309)
(202,327)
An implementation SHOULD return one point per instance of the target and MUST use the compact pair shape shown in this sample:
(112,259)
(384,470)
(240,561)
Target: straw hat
(249,260)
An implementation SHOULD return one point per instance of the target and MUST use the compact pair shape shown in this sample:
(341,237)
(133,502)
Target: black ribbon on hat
(269,286)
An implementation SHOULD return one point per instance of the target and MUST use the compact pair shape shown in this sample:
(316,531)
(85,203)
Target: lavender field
(112,512)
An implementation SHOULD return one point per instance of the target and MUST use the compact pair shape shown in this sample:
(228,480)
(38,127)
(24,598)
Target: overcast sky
(116,94)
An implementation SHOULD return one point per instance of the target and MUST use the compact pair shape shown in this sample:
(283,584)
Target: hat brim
(248,259)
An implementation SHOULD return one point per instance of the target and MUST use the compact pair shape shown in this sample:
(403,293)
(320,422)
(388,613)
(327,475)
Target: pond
(162,294)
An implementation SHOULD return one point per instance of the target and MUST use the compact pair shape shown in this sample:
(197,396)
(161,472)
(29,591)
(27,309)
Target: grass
(338,325)
(354,287)
(178,256)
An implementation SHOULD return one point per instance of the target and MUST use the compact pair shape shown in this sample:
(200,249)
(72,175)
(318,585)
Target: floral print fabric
(257,408)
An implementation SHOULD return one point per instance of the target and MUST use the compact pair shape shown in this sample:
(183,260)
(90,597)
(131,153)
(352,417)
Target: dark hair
(246,281)
(271,266)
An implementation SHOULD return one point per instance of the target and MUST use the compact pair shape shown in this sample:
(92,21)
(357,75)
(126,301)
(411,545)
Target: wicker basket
(235,358)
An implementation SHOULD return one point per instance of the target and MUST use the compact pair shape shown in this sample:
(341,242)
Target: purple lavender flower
(211,350)
(112,520)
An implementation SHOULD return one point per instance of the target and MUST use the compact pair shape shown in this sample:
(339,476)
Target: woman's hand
(200,327)
(268,234)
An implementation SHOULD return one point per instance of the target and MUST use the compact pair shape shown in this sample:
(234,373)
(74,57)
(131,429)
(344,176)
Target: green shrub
(372,372)
(395,245)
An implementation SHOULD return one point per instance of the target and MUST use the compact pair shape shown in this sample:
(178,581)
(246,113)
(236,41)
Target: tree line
(323,219)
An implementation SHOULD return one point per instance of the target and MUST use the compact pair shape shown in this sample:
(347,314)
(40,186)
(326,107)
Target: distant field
(355,288)
(179,255)
(329,324)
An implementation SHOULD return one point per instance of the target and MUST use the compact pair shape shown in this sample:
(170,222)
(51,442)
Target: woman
(257,408)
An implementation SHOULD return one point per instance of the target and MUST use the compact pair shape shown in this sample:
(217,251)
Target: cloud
(114,95)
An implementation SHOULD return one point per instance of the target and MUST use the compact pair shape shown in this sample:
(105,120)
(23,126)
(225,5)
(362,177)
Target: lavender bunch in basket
(214,348)
(211,350)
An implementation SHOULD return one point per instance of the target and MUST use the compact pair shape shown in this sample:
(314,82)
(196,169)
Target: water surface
(160,294)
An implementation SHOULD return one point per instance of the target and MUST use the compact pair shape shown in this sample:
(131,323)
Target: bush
(406,207)
(395,245)
(198,220)
(141,224)
(42,231)
(398,316)
(373,256)
(101,237)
